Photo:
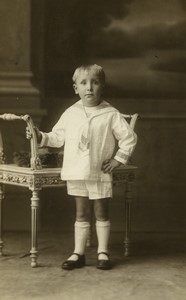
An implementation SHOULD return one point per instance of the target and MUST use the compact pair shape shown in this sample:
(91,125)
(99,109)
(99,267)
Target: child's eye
(96,82)
(83,82)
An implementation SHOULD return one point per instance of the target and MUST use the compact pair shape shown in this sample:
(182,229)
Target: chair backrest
(2,155)
(131,119)
(35,161)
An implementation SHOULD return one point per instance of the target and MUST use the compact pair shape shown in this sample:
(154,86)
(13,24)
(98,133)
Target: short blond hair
(95,68)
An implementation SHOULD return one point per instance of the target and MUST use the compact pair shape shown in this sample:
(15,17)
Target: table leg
(34,217)
(1,219)
(128,200)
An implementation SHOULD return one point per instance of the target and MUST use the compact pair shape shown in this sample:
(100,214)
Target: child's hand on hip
(109,165)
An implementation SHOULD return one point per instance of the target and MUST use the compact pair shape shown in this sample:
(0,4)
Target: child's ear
(75,88)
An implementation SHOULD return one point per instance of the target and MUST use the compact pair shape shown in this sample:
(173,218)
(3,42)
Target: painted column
(17,92)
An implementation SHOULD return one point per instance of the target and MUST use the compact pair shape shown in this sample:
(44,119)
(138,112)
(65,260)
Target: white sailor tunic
(89,141)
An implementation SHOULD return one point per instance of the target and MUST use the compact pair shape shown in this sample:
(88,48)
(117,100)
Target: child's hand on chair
(109,165)
(37,132)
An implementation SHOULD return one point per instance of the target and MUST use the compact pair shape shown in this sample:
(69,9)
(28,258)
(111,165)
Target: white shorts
(91,189)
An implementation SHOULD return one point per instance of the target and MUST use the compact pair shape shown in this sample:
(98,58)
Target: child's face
(89,88)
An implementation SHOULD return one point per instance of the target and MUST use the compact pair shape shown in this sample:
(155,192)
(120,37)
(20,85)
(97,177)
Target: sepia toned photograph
(92,149)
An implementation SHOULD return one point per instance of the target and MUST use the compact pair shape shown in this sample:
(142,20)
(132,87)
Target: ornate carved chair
(35,176)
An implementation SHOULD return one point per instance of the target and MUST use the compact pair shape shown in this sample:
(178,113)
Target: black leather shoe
(103,264)
(74,264)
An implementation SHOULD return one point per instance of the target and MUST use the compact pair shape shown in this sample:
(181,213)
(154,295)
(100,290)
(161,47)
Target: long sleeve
(56,137)
(126,137)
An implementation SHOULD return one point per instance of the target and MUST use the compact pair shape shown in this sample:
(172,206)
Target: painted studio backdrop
(142,47)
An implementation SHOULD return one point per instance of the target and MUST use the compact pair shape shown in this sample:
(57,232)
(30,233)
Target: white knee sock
(81,231)
(103,234)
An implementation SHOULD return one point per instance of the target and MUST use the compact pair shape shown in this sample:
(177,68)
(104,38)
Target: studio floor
(156,269)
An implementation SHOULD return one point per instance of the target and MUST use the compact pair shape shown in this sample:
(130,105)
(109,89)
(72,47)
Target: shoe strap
(103,253)
(79,255)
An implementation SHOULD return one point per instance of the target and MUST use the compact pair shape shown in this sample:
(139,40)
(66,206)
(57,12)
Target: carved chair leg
(34,220)
(90,234)
(128,201)
(1,219)
(89,238)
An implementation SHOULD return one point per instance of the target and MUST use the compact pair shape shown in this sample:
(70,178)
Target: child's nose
(89,86)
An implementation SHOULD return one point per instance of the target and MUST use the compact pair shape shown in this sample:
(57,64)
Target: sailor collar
(103,108)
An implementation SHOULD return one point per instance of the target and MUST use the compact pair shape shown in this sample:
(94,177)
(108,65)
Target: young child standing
(89,130)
